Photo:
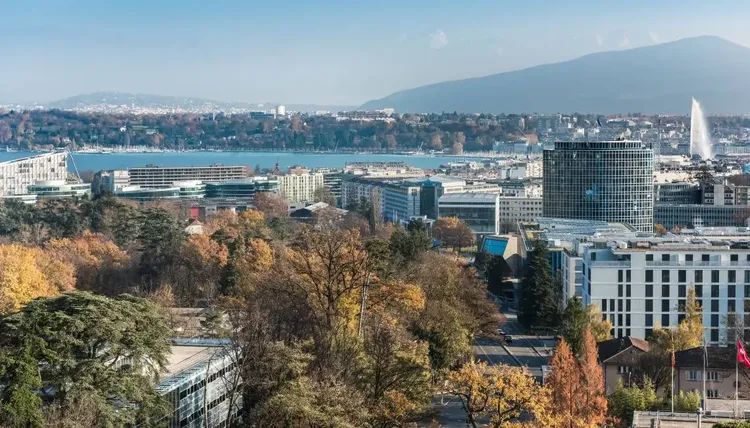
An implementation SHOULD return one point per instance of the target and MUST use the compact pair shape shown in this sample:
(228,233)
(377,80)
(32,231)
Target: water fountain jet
(700,140)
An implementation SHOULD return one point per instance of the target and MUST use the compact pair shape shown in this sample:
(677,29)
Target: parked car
(508,338)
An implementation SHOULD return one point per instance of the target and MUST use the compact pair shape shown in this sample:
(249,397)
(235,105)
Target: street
(524,350)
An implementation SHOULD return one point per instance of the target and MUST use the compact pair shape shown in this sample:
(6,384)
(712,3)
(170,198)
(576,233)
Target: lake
(96,161)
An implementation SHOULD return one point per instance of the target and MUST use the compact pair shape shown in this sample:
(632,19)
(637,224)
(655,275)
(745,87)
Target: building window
(649,290)
(693,375)
(649,305)
(619,289)
(604,305)
(681,290)
(665,276)
(665,257)
(747,276)
(681,305)
(619,319)
(627,306)
(650,257)
(665,305)
(713,376)
(731,306)
(623,369)
(627,276)
(681,276)
(698,276)
(649,275)
(698,290)
(705,257)
(712,393)
(665,320)
(731,290)
(714,335)
(714,276)
(734,257)
(627,321)
(619,275)
(714,320)
(715,290)
(665,290)
(732,276)
(627,289)
(688,257)
(649,320)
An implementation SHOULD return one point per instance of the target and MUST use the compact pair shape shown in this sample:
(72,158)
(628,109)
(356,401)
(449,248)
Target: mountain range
(653,79)
(169,102)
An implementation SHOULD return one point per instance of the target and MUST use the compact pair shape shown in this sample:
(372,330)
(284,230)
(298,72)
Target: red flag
(742,357)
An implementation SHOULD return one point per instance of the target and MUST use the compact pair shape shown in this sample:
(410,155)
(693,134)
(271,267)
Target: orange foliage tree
(578,388)
(28,273)
(452,232)
(202,260)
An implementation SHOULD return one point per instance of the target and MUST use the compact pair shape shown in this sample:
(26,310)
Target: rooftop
(469,197)
(41,155)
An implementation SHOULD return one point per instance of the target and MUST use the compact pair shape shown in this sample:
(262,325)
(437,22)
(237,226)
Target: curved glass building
(600,180)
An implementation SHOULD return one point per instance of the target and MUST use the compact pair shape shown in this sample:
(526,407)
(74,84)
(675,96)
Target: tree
(593,403)
(29,273)
(626,400)
(499,394)
(564,382)
(407,245)
(687,401)
(323,194)
(539,302)
(659,229)
(458,143)
(201,261)
(687,335)
(453,232)
(576,320)
(160,237)
(436,142)
(271,205)
(77,344)
(703,175)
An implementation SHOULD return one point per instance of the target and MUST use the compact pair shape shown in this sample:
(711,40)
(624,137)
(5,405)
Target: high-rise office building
(600,180)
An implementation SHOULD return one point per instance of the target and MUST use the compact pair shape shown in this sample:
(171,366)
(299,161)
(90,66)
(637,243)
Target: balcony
(683,263)
(609,263)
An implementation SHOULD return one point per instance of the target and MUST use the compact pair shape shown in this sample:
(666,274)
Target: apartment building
(401,201)
(643,283)
(298,187)
(18,174)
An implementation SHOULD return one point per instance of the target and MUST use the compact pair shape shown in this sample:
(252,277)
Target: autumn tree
(459,139)
(29,273)
(453,232)
(591,396)
(436,141)
(565,385)
(687,335)
(659,229)
(201,261)
(100,266)
(271,205)
(500,395)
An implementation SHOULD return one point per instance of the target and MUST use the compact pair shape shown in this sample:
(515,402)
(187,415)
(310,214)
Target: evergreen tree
(575,320)
(540,301)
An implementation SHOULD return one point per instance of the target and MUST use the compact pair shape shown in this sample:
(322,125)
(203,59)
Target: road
(524,350)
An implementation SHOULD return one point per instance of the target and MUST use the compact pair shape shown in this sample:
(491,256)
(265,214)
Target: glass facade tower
(600,180)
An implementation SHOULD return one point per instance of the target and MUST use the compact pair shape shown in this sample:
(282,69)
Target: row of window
(689,257)
(698,276)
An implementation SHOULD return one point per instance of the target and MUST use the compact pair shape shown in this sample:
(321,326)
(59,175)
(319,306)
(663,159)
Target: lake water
(96,162)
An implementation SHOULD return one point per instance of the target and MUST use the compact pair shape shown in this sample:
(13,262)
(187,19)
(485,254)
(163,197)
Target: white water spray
(700,141)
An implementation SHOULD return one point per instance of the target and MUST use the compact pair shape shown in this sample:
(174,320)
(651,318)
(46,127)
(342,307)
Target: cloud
(599,40)
(438,39)
(624,43)
(654,37)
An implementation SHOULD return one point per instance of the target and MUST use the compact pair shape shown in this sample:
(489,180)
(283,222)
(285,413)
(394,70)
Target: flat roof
(468,197)
(40,155)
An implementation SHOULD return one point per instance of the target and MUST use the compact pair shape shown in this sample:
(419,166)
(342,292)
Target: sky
(319,52)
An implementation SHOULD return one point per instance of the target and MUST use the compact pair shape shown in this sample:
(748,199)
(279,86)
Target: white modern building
(300,187)
(59,189)
(480,211)
(18,174)
(643,283)
(110,180)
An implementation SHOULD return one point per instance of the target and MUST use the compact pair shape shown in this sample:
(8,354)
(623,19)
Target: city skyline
(332,53)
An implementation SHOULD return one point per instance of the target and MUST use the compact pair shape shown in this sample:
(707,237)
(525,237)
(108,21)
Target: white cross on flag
(742,357)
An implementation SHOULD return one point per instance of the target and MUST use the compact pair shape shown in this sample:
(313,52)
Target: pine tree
(564,383)
(593,410)
(540,303)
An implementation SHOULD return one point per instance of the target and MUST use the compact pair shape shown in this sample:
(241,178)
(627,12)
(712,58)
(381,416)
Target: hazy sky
(335,51)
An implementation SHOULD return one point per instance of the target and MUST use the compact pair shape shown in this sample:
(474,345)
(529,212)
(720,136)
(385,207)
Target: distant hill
(187,103)
(654,79)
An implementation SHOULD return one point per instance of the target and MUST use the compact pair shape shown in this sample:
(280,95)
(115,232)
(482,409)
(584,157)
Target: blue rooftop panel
(496,247)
